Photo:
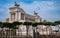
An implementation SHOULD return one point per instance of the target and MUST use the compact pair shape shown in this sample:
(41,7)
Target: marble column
(16,16)
(24,17)
(19,16)
(10,17)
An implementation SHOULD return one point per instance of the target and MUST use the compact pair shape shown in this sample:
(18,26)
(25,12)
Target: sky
(47,9)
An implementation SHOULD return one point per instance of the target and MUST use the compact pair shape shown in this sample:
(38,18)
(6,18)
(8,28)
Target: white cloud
(38,6)
(43,8)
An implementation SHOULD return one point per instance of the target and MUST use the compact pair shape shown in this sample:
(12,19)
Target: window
(22,16)
(13,16)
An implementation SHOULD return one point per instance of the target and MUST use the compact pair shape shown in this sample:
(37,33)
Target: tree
(14,27)
(4,24)
(8,25)
(11,26)
(48,24)
(17,24)
(1,24)
(3,29)
(34,28)
(57,23)
(27,25)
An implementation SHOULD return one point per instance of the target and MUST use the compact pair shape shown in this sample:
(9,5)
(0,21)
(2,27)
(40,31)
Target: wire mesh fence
(12,34)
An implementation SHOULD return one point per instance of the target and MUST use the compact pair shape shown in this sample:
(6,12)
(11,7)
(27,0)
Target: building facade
(18,14)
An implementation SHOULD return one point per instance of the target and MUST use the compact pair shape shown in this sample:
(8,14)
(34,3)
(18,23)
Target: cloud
(38,6)
(49,10)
